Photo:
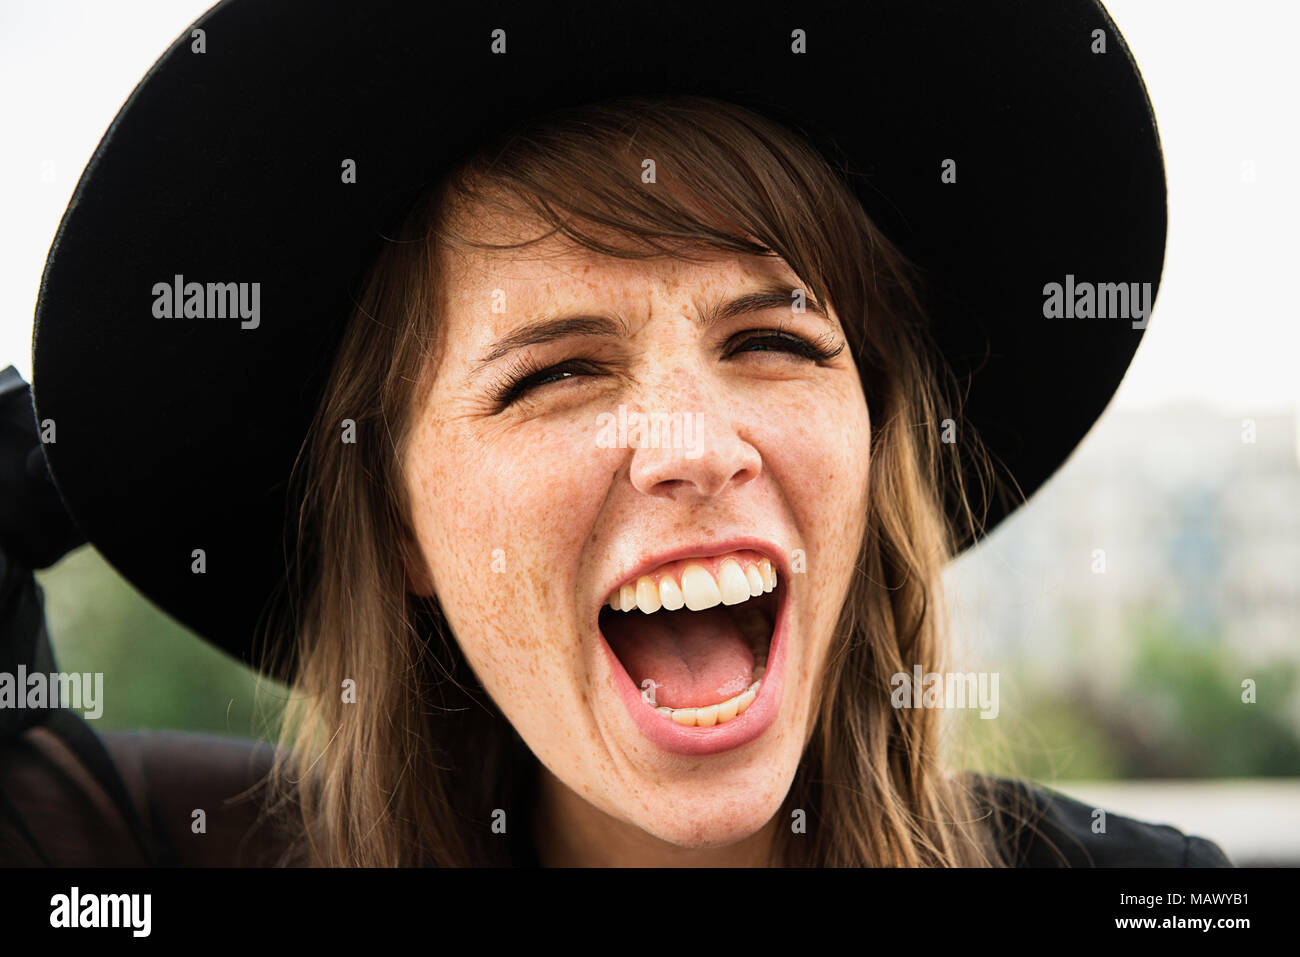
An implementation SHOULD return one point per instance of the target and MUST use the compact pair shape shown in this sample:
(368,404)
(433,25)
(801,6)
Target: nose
(692,453)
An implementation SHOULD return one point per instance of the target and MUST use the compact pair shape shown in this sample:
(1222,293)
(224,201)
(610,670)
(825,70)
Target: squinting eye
(524,377)
(777,341)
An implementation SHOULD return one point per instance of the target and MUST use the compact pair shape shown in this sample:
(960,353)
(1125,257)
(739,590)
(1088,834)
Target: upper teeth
(738,579)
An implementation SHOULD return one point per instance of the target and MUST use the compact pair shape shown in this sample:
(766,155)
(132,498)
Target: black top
(1062,834)
(56,808)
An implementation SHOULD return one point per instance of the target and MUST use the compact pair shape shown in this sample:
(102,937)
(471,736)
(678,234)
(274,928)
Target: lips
(696,657)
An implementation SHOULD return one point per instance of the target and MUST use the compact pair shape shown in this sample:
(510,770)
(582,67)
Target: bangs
(689,176)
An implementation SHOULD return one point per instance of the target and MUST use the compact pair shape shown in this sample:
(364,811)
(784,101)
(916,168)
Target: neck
(569,832)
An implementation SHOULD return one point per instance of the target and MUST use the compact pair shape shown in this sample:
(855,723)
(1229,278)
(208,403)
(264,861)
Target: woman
(479,451)
(520,631)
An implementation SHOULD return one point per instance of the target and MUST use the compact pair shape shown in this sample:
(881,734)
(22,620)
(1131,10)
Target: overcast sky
(1223,79)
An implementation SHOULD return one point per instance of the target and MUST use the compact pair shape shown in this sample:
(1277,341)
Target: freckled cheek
(505,539)
(820,455)
(543,492)
(840,497)
(822,450)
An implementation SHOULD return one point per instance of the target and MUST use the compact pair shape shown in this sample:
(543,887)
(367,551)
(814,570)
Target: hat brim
(224,166)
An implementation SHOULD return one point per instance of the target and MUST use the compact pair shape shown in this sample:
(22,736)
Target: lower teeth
(713,714)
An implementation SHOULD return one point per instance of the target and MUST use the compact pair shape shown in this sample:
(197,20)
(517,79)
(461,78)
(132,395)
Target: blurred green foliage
(157,674)
(1177,711)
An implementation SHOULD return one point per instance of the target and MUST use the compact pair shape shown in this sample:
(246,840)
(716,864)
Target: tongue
(694,658)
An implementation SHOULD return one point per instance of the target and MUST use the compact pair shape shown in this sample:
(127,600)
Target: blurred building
(1183,516)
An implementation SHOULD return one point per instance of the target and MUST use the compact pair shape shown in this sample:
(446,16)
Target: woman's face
(532,509)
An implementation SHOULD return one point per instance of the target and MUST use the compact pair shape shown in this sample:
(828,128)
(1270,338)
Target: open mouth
(694,635)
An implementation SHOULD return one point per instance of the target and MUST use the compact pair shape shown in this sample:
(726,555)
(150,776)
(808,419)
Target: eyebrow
(551,329)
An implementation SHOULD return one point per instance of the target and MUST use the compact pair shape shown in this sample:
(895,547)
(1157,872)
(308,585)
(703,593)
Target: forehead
(492,291)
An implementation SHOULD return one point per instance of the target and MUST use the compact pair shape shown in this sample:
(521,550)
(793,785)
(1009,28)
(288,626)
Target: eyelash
(523,375)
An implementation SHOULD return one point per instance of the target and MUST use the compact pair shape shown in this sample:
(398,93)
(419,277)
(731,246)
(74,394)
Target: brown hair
(409,772)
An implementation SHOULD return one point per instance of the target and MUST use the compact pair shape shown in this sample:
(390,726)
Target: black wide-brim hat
(225,166)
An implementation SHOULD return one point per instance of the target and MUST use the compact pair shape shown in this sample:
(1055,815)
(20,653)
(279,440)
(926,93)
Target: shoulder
(1040,827)
(156,797)
(203,793)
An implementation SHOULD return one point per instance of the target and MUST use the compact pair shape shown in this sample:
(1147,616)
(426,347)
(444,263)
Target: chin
(691,816)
